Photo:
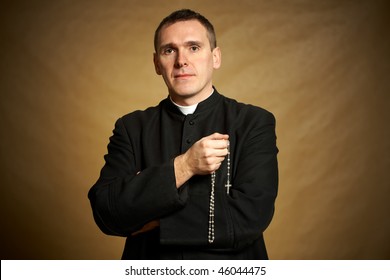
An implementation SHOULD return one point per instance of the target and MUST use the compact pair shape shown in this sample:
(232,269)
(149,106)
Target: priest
(196,176)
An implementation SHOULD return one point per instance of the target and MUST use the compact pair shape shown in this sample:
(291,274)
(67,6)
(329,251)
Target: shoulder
(249,112)
(140,117)
(133,123)
(141,114)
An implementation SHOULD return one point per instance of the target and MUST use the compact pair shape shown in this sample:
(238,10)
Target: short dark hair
(185,15)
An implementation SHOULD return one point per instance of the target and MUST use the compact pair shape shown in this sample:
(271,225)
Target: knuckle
(203,144)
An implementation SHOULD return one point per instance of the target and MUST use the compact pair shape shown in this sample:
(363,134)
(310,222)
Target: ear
(217,56)
(156,64)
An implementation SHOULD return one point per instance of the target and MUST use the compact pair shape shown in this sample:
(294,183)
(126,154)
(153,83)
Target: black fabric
(146,246)
(137,182)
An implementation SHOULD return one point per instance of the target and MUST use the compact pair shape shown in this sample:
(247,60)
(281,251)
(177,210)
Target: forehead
(182,31)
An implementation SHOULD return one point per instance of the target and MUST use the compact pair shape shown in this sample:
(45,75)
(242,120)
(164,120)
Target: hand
(147,227)
(204,157)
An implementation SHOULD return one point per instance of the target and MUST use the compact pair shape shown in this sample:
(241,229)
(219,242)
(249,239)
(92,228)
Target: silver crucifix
(227,186)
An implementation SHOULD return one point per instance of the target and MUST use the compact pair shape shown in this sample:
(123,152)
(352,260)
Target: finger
(220,144)
(217,166)
(212,168)
(220,153)
(209,143)
(219,136)
(214,152)
(218,160)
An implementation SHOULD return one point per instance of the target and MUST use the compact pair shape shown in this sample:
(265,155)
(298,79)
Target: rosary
(228,185)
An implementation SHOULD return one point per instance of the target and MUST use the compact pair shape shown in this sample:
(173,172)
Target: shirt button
(191,122)
(188,141)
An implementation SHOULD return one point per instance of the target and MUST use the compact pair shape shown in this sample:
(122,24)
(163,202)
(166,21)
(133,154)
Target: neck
(190,100)
(185,109)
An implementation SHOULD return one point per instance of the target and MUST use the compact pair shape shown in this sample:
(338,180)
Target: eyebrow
(191,43)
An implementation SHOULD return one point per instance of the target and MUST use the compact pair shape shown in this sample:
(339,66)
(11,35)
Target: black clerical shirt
(137,183)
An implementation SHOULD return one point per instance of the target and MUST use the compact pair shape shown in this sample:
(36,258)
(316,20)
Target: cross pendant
(228,186)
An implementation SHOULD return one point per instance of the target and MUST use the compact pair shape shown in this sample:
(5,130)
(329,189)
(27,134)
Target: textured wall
(69,69)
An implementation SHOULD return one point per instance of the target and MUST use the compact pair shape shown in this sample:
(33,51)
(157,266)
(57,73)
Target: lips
(183,76)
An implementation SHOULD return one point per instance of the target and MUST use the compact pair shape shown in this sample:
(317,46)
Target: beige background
(69,69)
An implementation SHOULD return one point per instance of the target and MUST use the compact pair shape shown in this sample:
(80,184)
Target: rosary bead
(228,185)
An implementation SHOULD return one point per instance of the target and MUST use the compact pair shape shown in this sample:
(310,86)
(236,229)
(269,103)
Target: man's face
(185,60)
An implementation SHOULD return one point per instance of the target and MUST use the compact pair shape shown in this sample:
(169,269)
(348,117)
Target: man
(196,176)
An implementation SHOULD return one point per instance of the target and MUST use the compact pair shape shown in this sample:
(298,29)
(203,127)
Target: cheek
(207,66)
(165,66)
(203,63)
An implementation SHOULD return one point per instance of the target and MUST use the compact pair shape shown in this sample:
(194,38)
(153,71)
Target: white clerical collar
(186,110)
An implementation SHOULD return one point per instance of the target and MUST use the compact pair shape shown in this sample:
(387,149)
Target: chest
(171,136)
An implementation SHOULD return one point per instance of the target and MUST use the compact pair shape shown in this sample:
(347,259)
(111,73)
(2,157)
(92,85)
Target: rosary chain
(211,228)
(211,234)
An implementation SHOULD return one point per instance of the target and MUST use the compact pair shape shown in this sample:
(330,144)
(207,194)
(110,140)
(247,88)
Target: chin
(183,95)
(184,92)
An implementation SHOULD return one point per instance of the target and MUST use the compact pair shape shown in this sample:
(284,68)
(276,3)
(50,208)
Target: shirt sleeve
(124,199)
(255,183)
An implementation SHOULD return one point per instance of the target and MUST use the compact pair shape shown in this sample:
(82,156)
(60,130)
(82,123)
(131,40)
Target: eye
(168,51)
(194,48)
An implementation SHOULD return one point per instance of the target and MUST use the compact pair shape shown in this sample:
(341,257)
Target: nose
(181,60)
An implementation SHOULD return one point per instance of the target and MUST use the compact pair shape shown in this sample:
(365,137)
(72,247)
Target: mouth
(183,76)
